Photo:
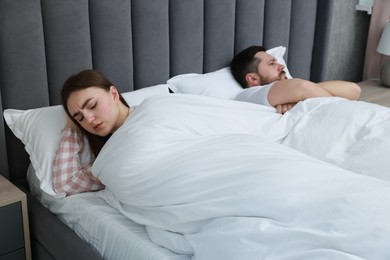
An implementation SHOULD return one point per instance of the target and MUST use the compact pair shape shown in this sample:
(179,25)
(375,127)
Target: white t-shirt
(257,95)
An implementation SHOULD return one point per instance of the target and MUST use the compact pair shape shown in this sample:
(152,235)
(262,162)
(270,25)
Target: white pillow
(40,131)
(220,83)
(134,98)
(278,53)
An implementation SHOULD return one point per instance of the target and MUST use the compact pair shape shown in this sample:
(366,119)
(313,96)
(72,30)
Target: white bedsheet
(207,177)
(109,232)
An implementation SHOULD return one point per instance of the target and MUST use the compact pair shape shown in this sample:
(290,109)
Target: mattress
(109,232)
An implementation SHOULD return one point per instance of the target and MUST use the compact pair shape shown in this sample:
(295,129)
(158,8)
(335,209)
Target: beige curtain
(373,60)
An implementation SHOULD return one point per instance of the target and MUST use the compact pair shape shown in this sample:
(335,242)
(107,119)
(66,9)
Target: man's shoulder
(257,94)
(256,88)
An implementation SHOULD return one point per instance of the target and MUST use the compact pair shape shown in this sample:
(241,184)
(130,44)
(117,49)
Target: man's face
(268,69)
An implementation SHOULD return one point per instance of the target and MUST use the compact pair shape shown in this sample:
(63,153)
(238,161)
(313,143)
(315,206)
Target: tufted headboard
(139,43)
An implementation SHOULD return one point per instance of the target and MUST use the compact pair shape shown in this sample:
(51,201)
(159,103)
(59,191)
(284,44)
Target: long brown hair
(83,80)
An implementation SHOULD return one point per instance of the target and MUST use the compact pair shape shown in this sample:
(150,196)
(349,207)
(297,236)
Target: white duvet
(210,178)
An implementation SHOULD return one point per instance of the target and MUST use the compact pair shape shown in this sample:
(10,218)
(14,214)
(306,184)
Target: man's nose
(281,67)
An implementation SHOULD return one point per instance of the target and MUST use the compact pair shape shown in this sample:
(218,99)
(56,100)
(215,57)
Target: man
(265,82)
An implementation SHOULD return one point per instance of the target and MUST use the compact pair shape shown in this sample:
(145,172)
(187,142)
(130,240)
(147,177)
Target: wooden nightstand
(373,91)
(14,229)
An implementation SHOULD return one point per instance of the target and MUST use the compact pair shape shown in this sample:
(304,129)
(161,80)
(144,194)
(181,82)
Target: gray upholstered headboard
(138,43)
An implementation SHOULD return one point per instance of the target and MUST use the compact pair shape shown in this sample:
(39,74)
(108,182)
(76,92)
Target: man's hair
(245,62)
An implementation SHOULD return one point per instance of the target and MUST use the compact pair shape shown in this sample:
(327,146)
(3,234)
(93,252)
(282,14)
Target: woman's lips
(97,127)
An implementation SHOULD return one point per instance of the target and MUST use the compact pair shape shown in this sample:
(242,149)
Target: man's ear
(252,79)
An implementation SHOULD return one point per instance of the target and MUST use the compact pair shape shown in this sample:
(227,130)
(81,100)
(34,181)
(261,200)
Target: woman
(94,108)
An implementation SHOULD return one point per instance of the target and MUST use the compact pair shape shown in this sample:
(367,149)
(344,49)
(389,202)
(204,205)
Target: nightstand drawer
(16,255)
(11,228)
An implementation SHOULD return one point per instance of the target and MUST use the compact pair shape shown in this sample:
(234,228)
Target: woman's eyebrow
(82,106)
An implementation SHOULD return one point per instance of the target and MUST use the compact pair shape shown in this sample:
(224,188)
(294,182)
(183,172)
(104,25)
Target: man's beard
(282,75)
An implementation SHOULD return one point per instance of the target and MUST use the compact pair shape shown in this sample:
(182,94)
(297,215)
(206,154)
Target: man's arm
(295,90)
(343,89)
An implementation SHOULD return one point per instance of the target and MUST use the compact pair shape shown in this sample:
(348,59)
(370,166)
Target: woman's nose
(90,117)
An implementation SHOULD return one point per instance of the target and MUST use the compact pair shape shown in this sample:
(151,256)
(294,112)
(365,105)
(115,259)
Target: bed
(137,44)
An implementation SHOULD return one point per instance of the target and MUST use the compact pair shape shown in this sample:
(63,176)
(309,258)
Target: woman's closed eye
(93,105)
(80,118)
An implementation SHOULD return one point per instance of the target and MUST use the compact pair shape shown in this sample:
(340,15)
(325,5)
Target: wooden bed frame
(136,43)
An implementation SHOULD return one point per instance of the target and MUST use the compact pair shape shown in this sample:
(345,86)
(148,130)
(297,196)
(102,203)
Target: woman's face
(96,110)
